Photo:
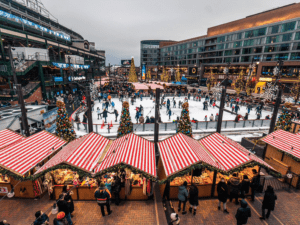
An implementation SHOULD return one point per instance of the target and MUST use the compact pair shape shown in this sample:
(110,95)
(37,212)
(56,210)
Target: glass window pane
(273,39)
(275,29)
(248,42)
(237,44)
(228,52)
(297,36)
(295,56)
(287,37)
(221,39)
(221,46)
(284,47)
(288,26)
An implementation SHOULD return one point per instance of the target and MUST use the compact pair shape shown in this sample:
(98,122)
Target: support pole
(156,125)
(213,187)
(89,110)
(23,110)
(12,66)
(42,80)
(275,112)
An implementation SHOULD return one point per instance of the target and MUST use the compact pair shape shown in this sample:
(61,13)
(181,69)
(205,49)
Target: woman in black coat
(268,202)
(193,199)
(222,190)
(68,199)
(245,186)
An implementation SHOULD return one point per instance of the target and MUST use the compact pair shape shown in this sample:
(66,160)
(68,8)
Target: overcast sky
(118,26)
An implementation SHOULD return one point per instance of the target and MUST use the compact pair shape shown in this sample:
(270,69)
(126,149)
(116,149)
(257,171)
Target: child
(205,118)
(99,112)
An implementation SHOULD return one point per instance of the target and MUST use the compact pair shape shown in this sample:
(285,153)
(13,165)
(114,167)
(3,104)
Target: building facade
(264,38)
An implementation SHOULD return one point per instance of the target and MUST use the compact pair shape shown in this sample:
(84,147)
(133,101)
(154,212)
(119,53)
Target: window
(275,29)
(270,48)
(296,46)
(235,59)
(228,52)
(245,59)
(288,26)
(228,37)
(201,49)
(295,56)
(195,44)
(239,36)
(248,42)
(268,57)
(221,46)
(237,52)
(200,43)
(228,45)
(221,39)
(257,50)
(297,36)
(247,50)
(227,59)
(219,60)
(190,51)
(284,47)
(287,37)
(237,44)
(255,33)
(249,34)
(283,56)
(273,39)
(219,53)
(256,58)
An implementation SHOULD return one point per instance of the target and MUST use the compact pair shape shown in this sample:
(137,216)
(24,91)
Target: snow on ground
(195,107)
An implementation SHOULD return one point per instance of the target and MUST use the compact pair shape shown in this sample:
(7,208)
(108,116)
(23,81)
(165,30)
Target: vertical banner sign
(50,120)
(144,72)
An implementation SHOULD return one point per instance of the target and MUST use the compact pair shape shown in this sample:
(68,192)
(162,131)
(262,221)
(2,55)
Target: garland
(290,155)
(13,175)
(134,170)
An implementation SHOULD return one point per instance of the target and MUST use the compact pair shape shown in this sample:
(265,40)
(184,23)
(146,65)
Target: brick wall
(37,95)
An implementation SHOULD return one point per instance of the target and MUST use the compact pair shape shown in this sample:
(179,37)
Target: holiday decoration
(132,77)
(270,92)
(250,83)
(164,76)
(284,121)
(125,122)
(184,124)
(178,76)
(239,83)
(64,127)
(148,75)
(295,91)
(210,81)
(217,91)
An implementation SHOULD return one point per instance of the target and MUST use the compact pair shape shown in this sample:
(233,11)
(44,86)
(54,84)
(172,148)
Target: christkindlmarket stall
(132,158)
(9,137)
(19,161)
(73,163)
(184,159)
(283,153)
(296,126)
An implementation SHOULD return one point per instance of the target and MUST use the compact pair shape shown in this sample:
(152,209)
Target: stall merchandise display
(4,178)
(64,176)
(205,178)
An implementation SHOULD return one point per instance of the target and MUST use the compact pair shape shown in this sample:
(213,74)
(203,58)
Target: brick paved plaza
(21,211)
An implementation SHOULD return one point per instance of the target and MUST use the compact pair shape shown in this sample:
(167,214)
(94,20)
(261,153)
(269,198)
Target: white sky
(118,26)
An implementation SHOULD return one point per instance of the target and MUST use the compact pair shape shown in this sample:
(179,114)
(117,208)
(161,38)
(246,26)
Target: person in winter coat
(170,114)
(243,213)
(104,113)
(41,218)
(147,119)
(116,188)
(232,108)
(217,117)
(64,207)
(246,116)
(141,119)
(103,196)
(245,186)
(249,108)
(98,112)
(214,104)
(116,115)
(193,199)
(258,116)
(222,190)
(236,108)
(60,219)
(112,104)
(84,120)
(211,118)
(254,183)
(234,183)
(268,202)
(152,119)
(68,199)
(137,116)
(205,118)
(182,197)
(204,105)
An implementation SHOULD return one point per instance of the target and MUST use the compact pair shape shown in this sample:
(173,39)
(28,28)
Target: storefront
(74,165)
(20,160)
(133,159)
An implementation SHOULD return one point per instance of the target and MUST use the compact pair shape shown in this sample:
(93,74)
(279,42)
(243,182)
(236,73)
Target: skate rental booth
(73,166)
(203,163)
(283,153)
(20,160)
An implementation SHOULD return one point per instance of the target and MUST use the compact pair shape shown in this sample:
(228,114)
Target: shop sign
(3,190)
(50,120)
(266,79)
(193,70)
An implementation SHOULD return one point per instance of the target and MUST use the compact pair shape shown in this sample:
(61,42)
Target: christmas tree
(64,127)
(178,76)
(239,83)
(125,122)
(148,75)
(184,125)
(132,77)
(284,121)
(164,76)
(210,81)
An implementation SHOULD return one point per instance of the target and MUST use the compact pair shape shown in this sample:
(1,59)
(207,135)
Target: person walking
(222,190)
(193,200)
(246,116)
(61,219)
(98,112)
(243,213)
(174,103)
(104,113)
(211,118)
(68,199)
(141,119)
(116,114)
(103,197)
(258,116)
(116,188)
(63,207)
(249,108)
(234,183)
(245,186)
(182,197)
(254,183)
(217,117)
(268,202)
(236,108)
(170,114)
(137,116)
(84,121)
(41,218)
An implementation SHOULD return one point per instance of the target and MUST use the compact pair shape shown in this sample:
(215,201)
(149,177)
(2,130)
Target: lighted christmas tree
(184,124)
(239,83)
(132,77)
(284,121)
(125,122)
(148,75)
(210,81)
(64,128)
(178,76)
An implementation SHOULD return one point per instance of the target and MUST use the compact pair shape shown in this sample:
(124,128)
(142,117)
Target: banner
(36,26)
(144,72)
(58,79)
(193,70)
(75,66)
(3,190)
(50,120)
(126,62)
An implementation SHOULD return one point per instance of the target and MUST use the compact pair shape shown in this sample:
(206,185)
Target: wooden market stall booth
(19,161)
(203,163)
(73,165)
(295,126)
(283,153)
(9,137)
(133,158)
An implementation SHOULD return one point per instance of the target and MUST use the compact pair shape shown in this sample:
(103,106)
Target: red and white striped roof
(228,153)
(23,156)
(284,141)
(180,152)
(83,153)
(8,137)
(131,150)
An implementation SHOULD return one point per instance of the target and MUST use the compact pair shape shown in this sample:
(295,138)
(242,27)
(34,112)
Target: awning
(8,137)
(131,150)
(284,141)
(180,152)
(23,156)
(229,153)
(82,153)
(139,86)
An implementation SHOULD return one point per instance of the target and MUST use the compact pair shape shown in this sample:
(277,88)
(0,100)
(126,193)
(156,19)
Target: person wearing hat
(64,207)
(182,197)
(4,222)
(60,219)
(103,196)
(268,202)
(41,218)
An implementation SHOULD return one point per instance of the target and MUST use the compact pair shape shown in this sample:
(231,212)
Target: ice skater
(99,113)
(170,113)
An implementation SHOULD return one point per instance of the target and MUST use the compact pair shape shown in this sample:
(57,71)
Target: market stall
(184,159)
(132,158)
(73,164)
(9,137)
(19,161)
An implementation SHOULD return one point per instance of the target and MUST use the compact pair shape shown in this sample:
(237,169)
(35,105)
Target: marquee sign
(75,66)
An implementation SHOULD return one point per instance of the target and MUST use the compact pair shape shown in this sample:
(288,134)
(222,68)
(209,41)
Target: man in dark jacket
(116,114)
(222,190)
(254,183)
(116,188)
(245,186)
(104,113)
(193,200)
(268,202)
(234,183)
(103,197)
(41,218)
(84,120)
(243,213)
(63,207)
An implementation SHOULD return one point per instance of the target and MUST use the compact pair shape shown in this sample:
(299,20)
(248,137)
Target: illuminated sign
(266,79)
